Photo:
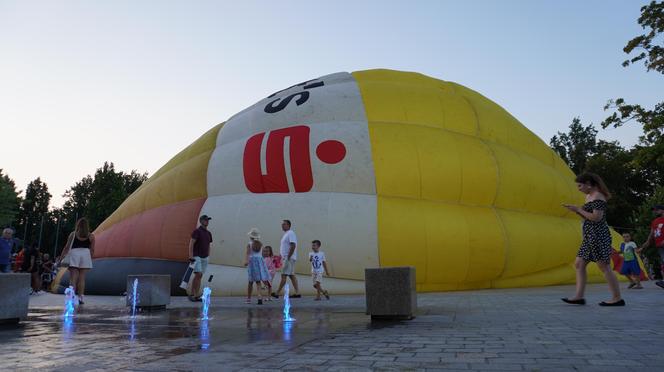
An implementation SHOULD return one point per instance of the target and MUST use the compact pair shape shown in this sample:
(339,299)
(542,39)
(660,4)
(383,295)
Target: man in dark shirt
(199,251)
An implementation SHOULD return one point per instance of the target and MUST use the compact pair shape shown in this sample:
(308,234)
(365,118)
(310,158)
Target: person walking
(596,244)
(199,252)
(288,251)
(80,247)
(257,271)
(630,266)
(656,236)
(318,267)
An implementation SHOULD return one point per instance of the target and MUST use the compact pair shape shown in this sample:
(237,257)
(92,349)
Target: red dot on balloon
(331,151)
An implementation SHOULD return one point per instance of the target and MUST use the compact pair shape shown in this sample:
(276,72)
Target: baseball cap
(205,217)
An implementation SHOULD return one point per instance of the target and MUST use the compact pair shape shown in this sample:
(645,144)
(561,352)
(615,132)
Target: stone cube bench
(154,291)
(15,289)
(391,292)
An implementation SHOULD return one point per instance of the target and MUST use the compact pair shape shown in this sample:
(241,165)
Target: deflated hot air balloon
(386,168)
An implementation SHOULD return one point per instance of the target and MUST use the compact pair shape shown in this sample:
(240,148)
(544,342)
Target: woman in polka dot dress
(596,245)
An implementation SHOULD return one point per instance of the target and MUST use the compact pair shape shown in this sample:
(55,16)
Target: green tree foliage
(583,152)
(652,55)
(9,200)
(34,205)
(576,146)
(96,197)
(649,153)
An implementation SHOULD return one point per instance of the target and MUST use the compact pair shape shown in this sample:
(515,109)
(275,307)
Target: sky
(133,83)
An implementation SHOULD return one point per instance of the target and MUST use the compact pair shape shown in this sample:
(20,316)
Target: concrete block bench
(15,289)
(391,292)
(154,291)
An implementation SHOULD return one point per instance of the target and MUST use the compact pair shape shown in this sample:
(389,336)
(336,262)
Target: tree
(652,18)
(649,153)
(33,207)
(96,197)
(576,146)
(9,200)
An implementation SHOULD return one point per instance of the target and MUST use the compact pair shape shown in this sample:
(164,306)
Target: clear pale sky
(83,82)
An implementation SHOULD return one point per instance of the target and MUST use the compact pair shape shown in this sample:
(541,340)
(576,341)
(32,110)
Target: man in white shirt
(288,251)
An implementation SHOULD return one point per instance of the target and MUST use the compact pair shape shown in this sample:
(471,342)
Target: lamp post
(57,232)
(41,228)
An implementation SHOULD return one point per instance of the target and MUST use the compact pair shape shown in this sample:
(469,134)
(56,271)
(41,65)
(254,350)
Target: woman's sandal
(617,303)
(580,301)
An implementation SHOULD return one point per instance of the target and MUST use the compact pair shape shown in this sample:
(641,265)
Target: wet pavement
(515,329)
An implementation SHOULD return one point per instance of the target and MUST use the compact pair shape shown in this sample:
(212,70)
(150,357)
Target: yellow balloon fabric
(466,193)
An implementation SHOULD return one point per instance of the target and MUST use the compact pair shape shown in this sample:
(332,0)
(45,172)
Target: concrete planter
(391,292)
(15,290)
(154,291)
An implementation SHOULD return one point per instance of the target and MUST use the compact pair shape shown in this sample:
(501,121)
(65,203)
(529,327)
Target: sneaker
(192,298)
(299,295)
(274,295)
(260,301)
(631,285)
(326,294)
(198,299)
(660,283)
(247,301)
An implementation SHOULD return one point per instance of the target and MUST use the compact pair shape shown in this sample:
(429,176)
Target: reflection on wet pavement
(113,339)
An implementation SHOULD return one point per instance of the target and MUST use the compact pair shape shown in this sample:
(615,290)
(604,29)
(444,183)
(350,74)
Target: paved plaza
(513,329)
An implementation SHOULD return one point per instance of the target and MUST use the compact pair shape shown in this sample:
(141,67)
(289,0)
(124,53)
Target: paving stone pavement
(512,329)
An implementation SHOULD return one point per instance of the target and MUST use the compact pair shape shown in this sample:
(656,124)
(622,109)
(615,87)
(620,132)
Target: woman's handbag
(66,258)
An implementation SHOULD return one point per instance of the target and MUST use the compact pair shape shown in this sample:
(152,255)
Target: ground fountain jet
(134,297)
(70,300)
(206,299)
(287,317)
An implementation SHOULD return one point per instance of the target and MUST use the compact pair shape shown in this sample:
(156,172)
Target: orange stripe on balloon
(161,233)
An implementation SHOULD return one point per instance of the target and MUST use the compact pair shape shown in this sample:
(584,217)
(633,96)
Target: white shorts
(289,268)
(201,264)
(317,277)
(79,258)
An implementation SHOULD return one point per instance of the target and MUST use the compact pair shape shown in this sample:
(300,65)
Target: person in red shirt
(656,236)
(18,262)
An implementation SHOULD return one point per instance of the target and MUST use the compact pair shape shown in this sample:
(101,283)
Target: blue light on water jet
(287,317)
(206,302)
(70,299)
(134,297)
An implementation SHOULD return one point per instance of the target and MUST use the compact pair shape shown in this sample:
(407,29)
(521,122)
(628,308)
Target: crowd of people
(261,263)
(26,259)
